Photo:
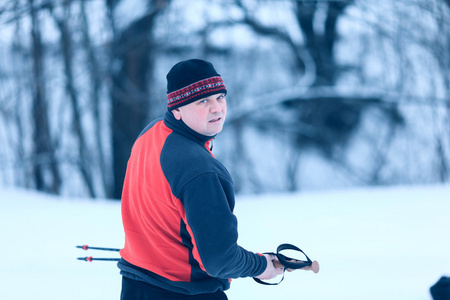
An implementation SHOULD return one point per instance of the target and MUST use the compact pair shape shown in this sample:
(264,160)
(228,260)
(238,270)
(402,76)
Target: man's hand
(273,269)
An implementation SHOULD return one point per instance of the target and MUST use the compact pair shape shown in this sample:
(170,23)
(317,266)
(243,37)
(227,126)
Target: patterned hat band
(195,91)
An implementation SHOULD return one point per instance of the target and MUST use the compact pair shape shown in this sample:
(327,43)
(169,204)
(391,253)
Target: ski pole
(86,247)
(90,259)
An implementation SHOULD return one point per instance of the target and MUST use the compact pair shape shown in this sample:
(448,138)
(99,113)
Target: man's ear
(176,113)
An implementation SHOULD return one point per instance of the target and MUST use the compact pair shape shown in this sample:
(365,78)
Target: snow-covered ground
(377,243)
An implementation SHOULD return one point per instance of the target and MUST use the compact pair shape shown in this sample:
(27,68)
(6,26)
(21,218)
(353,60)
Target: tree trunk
(94,74)
(45,169)
(84,160)
(320,45)
(132,63)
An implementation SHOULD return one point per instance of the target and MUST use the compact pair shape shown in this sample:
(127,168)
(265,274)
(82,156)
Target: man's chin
(214,132)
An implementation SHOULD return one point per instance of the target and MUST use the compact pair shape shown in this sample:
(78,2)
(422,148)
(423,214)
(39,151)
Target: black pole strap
(290,263)
(287,262)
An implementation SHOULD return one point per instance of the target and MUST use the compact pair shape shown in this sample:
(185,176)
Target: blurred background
(321,94)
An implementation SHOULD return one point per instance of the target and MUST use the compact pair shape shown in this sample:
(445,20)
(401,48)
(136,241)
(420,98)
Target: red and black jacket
(177,211)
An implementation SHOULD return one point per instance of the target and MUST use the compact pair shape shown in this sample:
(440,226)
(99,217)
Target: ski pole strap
(290,263)
(287,262)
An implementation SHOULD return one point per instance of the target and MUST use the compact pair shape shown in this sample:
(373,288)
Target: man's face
(205,116)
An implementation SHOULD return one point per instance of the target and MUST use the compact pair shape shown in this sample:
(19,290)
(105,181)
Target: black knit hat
(191,80)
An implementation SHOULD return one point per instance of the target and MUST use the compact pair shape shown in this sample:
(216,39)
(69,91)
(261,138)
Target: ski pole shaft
(90,259)
(86,247)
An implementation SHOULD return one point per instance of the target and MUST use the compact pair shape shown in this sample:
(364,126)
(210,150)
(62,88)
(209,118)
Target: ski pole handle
(313,267)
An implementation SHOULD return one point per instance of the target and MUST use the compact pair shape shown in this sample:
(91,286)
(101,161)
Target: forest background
(321,94)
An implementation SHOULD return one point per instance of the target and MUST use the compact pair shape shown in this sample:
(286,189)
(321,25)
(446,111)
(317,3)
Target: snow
(371,243)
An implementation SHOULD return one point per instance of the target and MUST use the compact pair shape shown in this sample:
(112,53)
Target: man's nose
(215,106)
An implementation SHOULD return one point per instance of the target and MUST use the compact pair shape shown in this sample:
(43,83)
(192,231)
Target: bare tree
(320,43)
(133,55)
(295,94)
(441,49)
(45,165)
(315,115)
(18,110)
(84,163)
(95,74)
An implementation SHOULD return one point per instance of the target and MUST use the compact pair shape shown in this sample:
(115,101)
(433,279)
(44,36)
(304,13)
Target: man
(178,200)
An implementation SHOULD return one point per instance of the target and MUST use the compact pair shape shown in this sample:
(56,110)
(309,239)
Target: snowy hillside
(390,243)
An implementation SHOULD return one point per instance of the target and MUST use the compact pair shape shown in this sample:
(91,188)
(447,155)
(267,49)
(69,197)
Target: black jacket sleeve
(208,202)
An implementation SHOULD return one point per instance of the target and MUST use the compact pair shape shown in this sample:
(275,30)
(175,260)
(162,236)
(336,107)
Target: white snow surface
(371,243)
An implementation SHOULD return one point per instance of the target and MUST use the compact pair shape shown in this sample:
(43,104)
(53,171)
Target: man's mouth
(215,120)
